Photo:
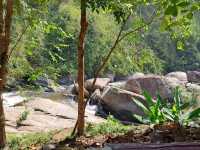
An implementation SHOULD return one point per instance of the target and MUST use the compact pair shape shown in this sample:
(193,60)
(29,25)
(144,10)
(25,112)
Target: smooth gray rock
(193,76)
(12,99)
(181,76)
(153,84)
(46,115)
(120,103)
(100,83)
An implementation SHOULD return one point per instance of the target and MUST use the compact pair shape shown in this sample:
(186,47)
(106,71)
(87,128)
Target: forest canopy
(49,44)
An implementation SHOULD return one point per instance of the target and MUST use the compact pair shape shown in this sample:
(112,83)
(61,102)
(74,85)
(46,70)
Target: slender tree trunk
(81,69)
(3,72)
(2,78)
(5,25)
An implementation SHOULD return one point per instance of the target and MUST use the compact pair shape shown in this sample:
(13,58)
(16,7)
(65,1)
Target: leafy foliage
(176,112)
(159,112)
(111,126)
(25,141)
(153,110)
(49,45)
(23,116)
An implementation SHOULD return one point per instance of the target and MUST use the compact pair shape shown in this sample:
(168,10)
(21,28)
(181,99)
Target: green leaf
(141,105)
(157,106)
(141,119)
(148,98)
(190,15)
(168,114)
(171,10)
(165,23)
(185,105)
(177,100)
(195,7)
(180,45)
(183,4)
(194,114)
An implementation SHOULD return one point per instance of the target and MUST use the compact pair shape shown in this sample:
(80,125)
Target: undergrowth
(111,126)
(28,141)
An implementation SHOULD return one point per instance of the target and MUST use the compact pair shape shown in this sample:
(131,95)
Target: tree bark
(81,70)
(5,26)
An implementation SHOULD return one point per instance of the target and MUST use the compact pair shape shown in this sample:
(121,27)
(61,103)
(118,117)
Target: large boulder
(45,115)
(49,85)
(181,76)
(120,103)
(137,75)
(43,81)
(75,90)
(152,84)
(53,108)
(174,82)
(95,97)
(119,77)
(133,85)
(193,76)
(194,88)
(119,84)
(100,83)
(66,80)
(12,99)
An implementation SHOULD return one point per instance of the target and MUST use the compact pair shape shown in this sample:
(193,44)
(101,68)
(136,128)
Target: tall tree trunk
(81,70)
(5,25)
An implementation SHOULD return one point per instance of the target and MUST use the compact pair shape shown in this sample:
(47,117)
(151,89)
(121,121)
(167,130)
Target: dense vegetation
(50,47)
(46,38)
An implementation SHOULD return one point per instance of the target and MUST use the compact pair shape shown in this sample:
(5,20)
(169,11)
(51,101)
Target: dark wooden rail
(170,146)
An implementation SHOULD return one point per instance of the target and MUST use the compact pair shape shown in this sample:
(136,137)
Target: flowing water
(17,98)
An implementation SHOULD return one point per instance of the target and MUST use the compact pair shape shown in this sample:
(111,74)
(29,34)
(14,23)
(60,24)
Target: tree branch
(18,40)
(135,30)
(118,40)
(111,51)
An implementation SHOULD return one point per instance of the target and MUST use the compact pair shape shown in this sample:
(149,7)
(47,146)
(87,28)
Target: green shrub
(159,112)
(153,111)
(23,116)
(111,126)
(25,141)
(180,112)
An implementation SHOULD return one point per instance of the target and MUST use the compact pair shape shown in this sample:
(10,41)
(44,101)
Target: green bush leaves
(159,112)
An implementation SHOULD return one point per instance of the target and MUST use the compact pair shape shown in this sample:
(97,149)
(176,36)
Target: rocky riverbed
(57,109)
(45,112)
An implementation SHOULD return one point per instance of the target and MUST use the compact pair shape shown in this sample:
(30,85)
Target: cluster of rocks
(44,82)
(117,97)
(43,114)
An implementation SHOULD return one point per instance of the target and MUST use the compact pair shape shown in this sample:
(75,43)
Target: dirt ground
(146,139)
